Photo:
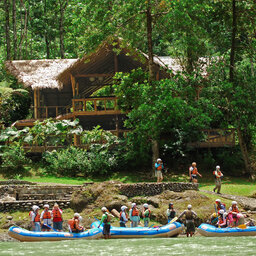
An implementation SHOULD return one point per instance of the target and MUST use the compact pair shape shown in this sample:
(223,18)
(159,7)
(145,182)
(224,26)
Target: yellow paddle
(173,220)
(242,226)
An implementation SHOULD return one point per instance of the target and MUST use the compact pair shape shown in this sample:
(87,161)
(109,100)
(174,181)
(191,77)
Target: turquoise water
(156,246)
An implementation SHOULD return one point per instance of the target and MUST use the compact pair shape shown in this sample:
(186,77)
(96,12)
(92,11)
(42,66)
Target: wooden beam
(73,83)
(35,104)
(93,75)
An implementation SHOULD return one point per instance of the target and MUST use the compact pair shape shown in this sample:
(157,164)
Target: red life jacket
(159,168)
(135,212)
(235,209)
(121,218)
(37,218)
(56,214)
(194,170)
(47,215)
(74,224)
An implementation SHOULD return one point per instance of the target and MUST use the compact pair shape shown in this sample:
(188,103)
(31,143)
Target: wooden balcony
(214,138)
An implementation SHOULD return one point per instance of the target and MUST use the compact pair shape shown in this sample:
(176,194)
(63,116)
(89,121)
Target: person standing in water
(134,216)
(106,217)
(218,176)
(123,216)
(193,173)
(170,212)
(146,215)
(159,168)
(189,216)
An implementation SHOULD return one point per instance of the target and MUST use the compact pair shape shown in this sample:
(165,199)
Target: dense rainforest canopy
(219,32)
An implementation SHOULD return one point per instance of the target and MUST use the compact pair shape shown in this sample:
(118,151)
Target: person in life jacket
(159,170)
(170,212)
(134,216)
(35,218)
(74,224)
(123,216)
(220,205)
(218,177)
(46,218)
(105,219)
(222,220)
(189,216)
(234,215)
(193,173)
(146,213)
(57,217)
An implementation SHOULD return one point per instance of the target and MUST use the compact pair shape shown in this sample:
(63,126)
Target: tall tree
(7,29)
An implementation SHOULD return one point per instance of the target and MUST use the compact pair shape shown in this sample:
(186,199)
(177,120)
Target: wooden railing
(108,104)
(50,111)
(216,138)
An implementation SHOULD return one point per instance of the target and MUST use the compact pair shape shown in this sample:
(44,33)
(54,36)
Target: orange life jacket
(235,209)
(121,218)
(194,170)
(159,168)
(56,214)
(47,215)
(37,218)
(73,223)
(135,212)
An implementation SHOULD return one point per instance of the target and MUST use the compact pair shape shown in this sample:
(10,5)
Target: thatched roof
(38,73)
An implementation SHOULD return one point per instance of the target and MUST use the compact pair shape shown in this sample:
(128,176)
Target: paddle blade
(173,220)
(242,226)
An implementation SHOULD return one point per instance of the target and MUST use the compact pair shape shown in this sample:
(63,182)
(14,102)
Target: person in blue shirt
(159,168)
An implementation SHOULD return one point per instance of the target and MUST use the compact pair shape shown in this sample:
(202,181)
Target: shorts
(159,174)
(193,176)
(190,226)
(106,229)
(57,225)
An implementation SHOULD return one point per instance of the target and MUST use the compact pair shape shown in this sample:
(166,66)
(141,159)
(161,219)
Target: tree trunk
(63,5)
(14,29)
(47,42)
(7,29)
(155,154)
(245,155)
(233,42)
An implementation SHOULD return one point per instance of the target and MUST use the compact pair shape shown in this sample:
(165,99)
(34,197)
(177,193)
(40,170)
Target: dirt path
(248,203)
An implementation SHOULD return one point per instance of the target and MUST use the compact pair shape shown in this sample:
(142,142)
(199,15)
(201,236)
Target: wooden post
(115,63)
(46,112)
(35,103)
(75,140)
(73,83)
(117,126)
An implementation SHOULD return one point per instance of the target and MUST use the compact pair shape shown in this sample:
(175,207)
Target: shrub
(14,161)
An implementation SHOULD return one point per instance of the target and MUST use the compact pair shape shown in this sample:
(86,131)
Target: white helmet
(145,205)
(218,200)
(217,167)
(189,206)
(133,205)
(234,202)
(123,208)
(104,209)
(35,207)
(77,215)
(221,211)
(46,206)
(158,159)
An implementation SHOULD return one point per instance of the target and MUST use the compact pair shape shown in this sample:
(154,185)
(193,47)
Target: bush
(14,161)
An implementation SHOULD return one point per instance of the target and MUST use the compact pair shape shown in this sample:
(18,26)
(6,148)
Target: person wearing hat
(146,213)
(123,216)
(190,215)
(159,168)
(134,216)
(35,218)
(234,216)
(57,217)
(218,176)
(74,224)
(46,218)
(222,221)
(170,212)
(220,205)
(193,173)
(106,217)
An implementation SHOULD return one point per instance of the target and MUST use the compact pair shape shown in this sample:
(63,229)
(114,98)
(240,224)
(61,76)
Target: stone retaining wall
(26,205)
(151,189)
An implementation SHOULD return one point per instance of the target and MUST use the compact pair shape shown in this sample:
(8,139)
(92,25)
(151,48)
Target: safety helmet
(133,205)
(104,209)
(218,200)
(170,204)
(234,202)
(35,207)
(46,206)
(159,160)
(218,167)
(221,211)
(189,206)
(77,215)
(123,208)
(145,205)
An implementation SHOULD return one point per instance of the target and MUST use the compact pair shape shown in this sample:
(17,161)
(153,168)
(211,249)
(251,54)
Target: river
(157,246)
